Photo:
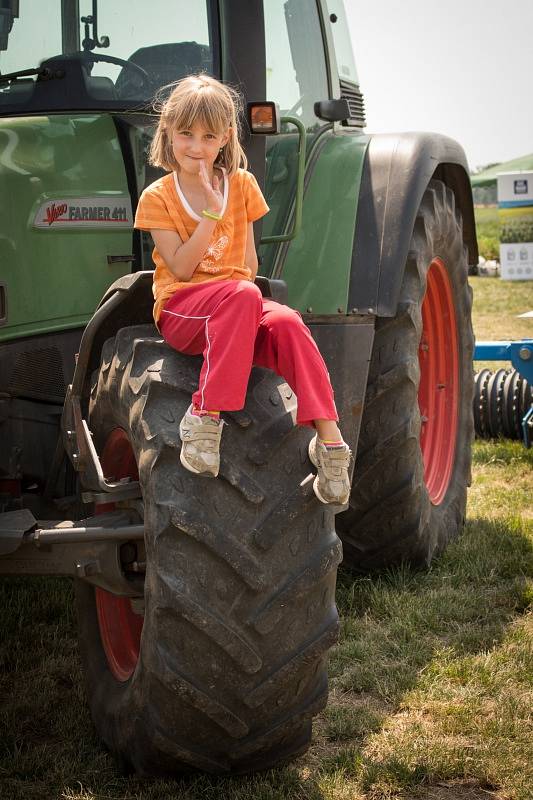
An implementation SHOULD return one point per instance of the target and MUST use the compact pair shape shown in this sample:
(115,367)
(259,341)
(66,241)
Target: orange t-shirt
(162,205)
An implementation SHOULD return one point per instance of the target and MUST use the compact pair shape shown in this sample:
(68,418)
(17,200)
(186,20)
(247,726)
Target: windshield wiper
(45,73)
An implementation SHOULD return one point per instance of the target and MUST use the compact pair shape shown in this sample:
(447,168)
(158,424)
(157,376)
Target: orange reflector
(263,118)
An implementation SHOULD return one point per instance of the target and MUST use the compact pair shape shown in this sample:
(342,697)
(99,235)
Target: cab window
(296,78)
(296,74)
(123,57)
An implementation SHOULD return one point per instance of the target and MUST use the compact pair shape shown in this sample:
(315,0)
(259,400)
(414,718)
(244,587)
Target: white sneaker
(201,443)
(332,484)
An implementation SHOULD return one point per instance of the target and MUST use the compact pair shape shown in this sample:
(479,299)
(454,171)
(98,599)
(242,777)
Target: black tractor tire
(392,518)
(239,591)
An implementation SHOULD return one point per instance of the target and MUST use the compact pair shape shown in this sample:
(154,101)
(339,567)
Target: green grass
(487,220)
(431,682)
(497,305)
(488,232)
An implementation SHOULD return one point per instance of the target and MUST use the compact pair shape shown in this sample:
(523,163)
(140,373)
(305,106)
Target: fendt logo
(53,212)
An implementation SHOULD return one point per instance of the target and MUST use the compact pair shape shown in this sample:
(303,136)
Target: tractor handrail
(299,199)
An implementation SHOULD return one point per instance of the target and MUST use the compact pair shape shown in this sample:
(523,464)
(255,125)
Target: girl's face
(195,144)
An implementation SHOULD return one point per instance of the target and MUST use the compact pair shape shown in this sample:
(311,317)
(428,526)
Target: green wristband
(211,215)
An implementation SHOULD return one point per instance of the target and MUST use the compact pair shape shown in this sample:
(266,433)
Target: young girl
(201,218)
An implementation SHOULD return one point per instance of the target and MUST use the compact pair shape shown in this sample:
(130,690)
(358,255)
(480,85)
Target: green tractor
(207,608)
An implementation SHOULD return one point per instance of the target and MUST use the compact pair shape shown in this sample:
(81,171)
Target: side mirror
(263,118)
(332,110)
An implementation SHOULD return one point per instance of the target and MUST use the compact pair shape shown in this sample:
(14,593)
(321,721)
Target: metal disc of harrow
(495,395)
(511,423)
(501,399)
(480,394)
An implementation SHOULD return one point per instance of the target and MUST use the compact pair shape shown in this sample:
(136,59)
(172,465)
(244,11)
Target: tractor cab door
(296,78)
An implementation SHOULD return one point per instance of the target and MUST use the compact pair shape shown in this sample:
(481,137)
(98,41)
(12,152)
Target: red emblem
(53,212)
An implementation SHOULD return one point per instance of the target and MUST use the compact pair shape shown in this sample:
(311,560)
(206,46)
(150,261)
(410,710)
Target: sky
(459,67)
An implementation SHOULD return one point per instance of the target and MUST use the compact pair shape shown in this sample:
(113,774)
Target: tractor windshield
(101,53)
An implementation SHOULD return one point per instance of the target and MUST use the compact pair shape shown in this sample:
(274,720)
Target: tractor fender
(396,172)
(128,301)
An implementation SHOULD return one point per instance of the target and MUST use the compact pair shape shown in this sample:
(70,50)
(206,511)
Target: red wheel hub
(120,627)
(438,394)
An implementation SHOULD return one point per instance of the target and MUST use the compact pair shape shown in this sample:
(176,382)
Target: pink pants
(235,327)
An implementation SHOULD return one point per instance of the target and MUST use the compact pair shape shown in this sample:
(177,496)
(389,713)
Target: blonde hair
(203,99)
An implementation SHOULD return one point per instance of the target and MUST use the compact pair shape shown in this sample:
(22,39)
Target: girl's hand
(214,199)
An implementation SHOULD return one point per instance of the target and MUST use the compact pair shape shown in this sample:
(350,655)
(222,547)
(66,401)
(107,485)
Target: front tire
(412,470)
(240,577)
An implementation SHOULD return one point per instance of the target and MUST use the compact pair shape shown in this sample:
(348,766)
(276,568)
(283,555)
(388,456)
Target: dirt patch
(322,746)
(469,789)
